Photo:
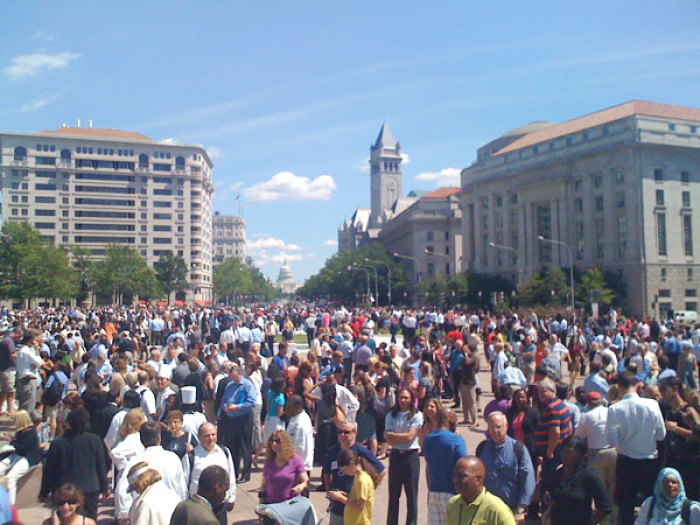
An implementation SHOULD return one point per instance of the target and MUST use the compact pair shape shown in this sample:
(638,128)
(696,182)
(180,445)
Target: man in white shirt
(165,462)
(634,426)
(204,455)
(164,392)
(558,350)
(602,456)
(301,430)
(28,364)
(346,400)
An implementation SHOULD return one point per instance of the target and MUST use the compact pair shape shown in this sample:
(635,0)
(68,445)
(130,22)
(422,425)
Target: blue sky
(288,96)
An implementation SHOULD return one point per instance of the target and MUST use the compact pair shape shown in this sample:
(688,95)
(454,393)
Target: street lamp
(355,267)
(519,270)
(376,278)
(414,278)
(571,266)
(388,273)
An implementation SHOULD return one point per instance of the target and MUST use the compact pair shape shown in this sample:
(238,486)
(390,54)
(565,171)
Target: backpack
(190,458)
(518,447)
(685,510)
(52,395)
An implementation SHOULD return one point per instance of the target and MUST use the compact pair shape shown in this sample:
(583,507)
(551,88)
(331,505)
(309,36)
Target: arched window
(143,161)
(65,154)
(179,163)
(20,153)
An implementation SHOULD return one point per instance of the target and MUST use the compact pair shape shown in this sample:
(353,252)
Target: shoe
(243,479)
(319,488)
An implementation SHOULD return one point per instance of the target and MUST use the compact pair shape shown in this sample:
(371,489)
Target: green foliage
(537,290)
(233,280)
(171,272)
(594,282)
(122,274)
(341,280)
(487,285)
(32,268)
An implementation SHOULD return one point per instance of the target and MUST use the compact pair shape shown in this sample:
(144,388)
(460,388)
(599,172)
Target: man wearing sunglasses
(333,476)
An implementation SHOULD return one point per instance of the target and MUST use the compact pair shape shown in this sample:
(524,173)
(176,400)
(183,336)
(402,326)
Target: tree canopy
(233,281)
(122,274)
(171,272)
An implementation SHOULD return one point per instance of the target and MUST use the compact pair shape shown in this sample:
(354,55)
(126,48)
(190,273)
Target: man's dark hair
(626,380)
(182,357)
(294,360)
(664,362)
(563,391)
(132,399)
(150,434)
(78,420)
(210,477)
(595,367)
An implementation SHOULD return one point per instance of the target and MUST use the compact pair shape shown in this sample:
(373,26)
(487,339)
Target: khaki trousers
(468,393)
(604,462)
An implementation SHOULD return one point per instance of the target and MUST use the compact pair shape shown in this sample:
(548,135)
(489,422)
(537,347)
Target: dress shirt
(510,480)
(301,430)
(361,354)
(347,401)
(513,376)
(203,459)
(592,427)
(634,426)
(499,364)
(596,383)
(165,462)
(245,335)
(574,411)
(28,362)
(242,394)
(227,337)
(112,437)
(401,423)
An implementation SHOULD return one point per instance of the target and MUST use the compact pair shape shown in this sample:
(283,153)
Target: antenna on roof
(78,122)
(90,122)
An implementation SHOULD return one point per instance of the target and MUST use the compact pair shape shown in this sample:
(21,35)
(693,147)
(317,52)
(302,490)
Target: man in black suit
(199,509)
(77,457)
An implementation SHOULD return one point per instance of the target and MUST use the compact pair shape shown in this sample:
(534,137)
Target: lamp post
(354,267)
(571,266)
(388,274)
(414,278)
(376,279)
(518,270)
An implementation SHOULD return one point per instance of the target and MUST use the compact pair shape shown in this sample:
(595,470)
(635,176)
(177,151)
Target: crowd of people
(171,409)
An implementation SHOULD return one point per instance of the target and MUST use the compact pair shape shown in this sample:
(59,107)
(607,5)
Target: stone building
(618,187)
(229,237)
(92,187)
(285,283)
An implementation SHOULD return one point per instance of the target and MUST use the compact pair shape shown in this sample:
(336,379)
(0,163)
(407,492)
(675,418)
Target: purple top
(281,480)
(497,405)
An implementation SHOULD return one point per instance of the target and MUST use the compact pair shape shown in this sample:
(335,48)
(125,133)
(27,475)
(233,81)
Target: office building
(93,187)
(229,237)
(617,187)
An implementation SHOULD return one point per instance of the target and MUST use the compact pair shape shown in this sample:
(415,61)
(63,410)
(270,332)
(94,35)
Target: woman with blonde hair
(129,440)
(27,452)
(66,502)
(156,502)
(284,473)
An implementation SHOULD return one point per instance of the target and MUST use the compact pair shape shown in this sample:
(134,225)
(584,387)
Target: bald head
(443,417)
(469,478)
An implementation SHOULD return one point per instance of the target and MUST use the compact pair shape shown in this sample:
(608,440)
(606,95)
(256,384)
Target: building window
(619,176)
(689,274)
(660,197)
(484,203)
(685,177)
(599,203)
(430,249)
(544,228)
(620,199)
(691,292)
(621,235)
(688,234)
(658,175)
(514,198)
(665,293)
(599,238)
(578,184)
(663,274)
(597,181)
(686,199)
(431,268)
(661,233)
(671,127)
(691,305)
(447,236)
(499,201)
(429,236)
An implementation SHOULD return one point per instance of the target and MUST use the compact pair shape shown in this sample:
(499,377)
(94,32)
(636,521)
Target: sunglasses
(66,501)
(276,440)
(345,432)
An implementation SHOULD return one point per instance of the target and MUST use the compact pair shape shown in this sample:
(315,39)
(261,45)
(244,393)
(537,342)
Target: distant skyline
(287,96)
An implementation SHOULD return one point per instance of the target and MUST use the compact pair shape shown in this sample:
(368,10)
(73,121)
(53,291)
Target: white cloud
(40,35)
(25,66)
(284,257)
(330,242)
(37,104)
(169,140)
(310,256)
(226,191)
(444,177)
(405,159)
(213,152)
(267,243)
(267,250)
(285,186)
(362,165)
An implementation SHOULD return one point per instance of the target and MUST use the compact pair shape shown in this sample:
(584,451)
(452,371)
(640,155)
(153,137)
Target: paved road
(244,513)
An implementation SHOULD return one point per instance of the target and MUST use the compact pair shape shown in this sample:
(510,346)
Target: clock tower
(385,174)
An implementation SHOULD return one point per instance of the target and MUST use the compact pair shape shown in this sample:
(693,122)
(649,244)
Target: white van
(685,316)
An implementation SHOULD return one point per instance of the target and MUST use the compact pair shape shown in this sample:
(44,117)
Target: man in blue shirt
(672,348)
(595,382)
(442,450)
(281,359)
(509,471)
(236,413)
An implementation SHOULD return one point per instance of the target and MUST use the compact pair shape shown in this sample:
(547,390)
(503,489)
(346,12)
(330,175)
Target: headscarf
(667,511)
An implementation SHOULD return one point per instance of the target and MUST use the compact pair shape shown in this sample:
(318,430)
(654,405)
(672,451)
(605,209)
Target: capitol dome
(285,274)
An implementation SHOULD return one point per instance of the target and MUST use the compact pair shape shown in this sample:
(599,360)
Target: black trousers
(310,334)
(404,472)
(89,508)
(633,476)
(238,437)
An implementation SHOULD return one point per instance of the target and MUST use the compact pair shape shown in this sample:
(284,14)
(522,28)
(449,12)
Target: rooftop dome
(527,128)
(285,273)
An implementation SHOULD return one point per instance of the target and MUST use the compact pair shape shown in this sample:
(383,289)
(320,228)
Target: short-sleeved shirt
(274,401)
(442,449)
(7,348)
(555,413)
(362,488)
(486,508)
(341,481)
(281,480)
(402,423)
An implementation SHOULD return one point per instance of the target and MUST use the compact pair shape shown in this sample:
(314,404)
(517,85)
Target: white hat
(164,371)
(189,395)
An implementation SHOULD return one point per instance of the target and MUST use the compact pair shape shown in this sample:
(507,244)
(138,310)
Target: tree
(31,267)
(233,280)
(546,287)
(171,272)
(594,285)
(123,273)
(83,265)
